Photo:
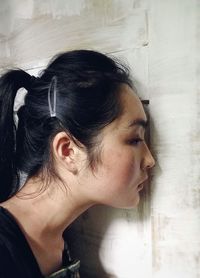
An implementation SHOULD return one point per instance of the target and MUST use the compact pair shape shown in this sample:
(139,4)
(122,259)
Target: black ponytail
(9,85)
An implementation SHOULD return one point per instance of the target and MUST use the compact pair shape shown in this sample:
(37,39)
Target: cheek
(122,166)
(117,178)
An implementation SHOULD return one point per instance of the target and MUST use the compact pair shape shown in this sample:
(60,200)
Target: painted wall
(160,40)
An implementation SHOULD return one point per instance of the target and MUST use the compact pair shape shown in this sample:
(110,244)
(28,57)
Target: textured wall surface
(160,40)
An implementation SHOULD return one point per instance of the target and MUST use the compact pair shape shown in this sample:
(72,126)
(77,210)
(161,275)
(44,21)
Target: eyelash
(136,141)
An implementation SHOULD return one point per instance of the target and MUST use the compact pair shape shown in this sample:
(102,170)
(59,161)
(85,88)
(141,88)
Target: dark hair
(88,90)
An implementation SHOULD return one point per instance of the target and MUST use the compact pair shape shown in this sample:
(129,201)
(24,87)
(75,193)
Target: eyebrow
(139,122)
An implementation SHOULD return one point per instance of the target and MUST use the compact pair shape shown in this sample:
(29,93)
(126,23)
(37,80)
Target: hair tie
(52,90)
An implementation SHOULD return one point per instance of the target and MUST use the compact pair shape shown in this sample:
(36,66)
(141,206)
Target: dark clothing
(17,258)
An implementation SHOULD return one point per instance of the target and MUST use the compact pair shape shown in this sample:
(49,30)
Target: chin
(134,202)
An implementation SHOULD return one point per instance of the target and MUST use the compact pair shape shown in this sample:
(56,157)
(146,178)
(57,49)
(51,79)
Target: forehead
(132,108)
(131,102)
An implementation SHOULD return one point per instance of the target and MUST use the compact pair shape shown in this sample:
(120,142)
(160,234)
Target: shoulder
(15,257)
(3,250)
(13,263)
(7,266)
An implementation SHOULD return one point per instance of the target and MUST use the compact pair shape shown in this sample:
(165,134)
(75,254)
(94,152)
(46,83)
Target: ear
(64,150)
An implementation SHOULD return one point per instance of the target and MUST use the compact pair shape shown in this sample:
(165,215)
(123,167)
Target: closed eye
(136,141)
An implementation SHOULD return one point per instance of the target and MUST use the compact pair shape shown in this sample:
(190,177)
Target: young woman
(80,140)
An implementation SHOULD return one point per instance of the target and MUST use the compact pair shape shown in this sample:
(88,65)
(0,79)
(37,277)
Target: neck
(45,215)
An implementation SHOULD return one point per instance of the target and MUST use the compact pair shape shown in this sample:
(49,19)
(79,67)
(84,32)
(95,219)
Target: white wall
(160,39)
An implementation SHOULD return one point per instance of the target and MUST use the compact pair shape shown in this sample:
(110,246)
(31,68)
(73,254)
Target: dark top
(16,256)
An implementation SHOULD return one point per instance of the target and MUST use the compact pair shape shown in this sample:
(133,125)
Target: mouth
(141,185)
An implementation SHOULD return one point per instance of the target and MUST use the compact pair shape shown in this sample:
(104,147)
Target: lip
(141,185)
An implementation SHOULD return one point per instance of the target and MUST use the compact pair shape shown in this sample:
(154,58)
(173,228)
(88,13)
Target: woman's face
(125,157)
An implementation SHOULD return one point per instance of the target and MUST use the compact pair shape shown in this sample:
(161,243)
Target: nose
(148,161)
